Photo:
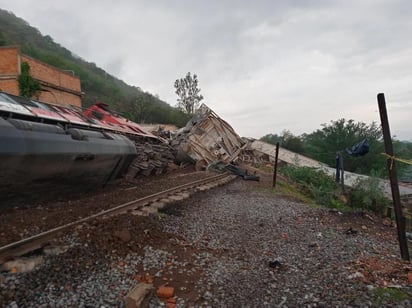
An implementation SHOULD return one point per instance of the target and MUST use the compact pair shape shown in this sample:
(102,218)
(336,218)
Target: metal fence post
(275,170)
(400,221)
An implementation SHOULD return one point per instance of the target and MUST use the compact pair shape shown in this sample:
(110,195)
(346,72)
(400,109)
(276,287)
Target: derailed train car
(207,138)
(47,151)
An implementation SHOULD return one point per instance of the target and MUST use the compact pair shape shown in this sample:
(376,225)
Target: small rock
(314,245)
(158,274)
(351,231)
(13,305)
(139,296)
(207,295)
(275,264)
(356,275)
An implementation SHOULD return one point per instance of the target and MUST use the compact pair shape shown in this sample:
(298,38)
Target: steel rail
(21,246)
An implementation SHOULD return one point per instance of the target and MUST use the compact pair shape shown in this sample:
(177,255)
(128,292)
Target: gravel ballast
(234,246)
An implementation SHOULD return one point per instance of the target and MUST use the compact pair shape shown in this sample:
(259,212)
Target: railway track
(143,206)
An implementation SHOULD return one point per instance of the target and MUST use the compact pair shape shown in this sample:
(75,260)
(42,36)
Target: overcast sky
(263,66)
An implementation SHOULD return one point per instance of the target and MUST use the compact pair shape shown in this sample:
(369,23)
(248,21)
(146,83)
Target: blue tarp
(359,149)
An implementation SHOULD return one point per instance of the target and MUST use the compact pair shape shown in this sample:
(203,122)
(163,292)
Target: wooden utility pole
(400,220)
(275,170)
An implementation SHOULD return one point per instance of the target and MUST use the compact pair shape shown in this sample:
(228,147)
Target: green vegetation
(188,92)
(286,140)
(323,143)
(290,191)
(368,195)
(337,136)
(383,295)
(98,85)
(28,87)
(323,190)
(315,184)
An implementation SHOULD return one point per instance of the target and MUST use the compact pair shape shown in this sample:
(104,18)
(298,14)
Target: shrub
(367,194)
(315,184)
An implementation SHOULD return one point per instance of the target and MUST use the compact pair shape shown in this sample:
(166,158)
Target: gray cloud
(264,66)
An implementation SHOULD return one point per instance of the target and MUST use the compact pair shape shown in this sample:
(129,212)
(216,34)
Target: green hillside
(98,85)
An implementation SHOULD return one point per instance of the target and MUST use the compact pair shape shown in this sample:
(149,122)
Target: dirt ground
(34,217)
(243,244)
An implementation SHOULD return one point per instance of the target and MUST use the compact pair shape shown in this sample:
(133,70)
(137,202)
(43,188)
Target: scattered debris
(165,292)
(314,245)
(243,173)
(55,250)
(139,296)
(356,275)
(22,265)
(275,264)
(351,231)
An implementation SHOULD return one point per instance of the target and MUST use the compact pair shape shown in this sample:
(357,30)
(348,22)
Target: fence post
(400,220)
(275,169)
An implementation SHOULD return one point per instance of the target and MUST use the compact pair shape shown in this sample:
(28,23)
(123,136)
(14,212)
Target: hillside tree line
(98,85)
(342,134)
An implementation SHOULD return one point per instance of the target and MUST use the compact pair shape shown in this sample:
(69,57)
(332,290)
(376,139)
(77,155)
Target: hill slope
(98,85)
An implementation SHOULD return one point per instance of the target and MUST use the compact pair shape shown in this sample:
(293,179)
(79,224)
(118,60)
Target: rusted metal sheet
(207,138)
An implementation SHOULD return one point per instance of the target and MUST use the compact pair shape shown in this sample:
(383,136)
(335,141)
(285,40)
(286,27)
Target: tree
(271,138)
(291,142)
(339,135)
(188,92)
(403,149)
(323,144)
(28,86)
(286,140)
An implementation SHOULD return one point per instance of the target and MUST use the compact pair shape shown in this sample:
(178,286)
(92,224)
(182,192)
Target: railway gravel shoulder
(277,252)
(233,246)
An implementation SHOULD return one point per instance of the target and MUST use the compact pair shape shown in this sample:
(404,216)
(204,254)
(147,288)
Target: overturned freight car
(49,151)
(207,138)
